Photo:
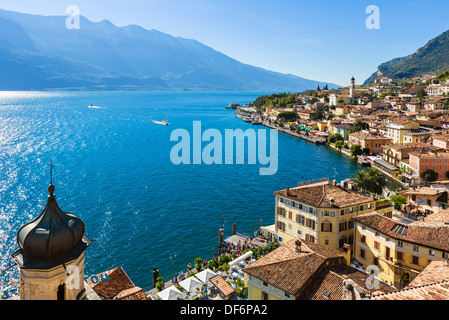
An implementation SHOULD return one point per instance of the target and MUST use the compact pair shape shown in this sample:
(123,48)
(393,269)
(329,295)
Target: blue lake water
(113,170)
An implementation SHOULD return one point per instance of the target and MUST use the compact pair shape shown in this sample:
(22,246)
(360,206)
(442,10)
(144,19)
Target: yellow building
(400,251)
(302,270)
(397,129)
(320,212)
(322,126)
(342,110)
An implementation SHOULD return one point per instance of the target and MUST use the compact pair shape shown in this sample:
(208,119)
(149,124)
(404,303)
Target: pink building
(438,162)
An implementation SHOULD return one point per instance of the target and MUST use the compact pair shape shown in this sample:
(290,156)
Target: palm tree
(370,179)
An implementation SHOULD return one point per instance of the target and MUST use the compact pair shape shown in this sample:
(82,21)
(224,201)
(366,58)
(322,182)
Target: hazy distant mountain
(433,58)
(39,52)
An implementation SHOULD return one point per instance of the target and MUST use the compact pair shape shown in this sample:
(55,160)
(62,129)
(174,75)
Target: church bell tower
(352,90)
(51,255)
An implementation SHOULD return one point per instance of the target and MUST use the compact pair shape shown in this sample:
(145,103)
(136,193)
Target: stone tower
(352,89)
(51,255)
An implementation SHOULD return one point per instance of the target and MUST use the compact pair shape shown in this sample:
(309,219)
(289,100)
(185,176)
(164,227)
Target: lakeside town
(331,240)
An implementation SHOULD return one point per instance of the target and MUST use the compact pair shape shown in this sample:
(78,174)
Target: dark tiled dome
(52,238)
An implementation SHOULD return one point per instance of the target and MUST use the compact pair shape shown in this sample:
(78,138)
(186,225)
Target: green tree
(369,179)
(334,138)
(225,267)
(421,94)
(213,264)
(430,175)
(359,125)
(287,116)
(356,150)
(339,144)
(198,263)
(399,201)
(224,259)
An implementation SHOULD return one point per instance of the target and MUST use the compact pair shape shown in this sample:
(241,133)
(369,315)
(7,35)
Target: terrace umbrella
(205,275)
(190,284)
(171,293)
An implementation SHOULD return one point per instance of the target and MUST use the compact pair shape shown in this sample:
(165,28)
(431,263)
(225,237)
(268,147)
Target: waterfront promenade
(233,246)
(309,138)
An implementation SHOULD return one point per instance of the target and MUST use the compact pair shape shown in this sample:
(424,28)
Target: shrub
(224,259)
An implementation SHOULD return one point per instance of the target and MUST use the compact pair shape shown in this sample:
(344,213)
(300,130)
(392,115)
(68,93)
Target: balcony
(410,175)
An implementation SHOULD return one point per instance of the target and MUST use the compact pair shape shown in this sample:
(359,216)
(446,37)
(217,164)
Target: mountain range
(433,58)
(40,53)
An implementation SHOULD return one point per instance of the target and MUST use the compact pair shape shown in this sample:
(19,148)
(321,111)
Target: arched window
(61,292)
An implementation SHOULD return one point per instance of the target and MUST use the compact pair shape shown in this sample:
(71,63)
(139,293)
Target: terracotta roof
(222,285)
(118,287)
(430,234)
(289,270)
(401,121)
(434,291)
(431,154)
(434,272)
(442,217)
(319,195)
(330,280)
(423,191)
(441,137)
(367,136)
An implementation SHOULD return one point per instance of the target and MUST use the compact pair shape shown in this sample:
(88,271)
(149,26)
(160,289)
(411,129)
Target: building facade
(396,129)
(320,212)
(370,143)
(436,161)
(400,251)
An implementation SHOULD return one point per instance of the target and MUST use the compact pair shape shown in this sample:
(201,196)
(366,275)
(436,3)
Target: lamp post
(172,258)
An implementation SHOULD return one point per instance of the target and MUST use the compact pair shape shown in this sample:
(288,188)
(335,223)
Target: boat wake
(95,107)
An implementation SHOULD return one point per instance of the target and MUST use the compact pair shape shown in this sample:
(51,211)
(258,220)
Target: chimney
(347,249)
(286,191)
(234,229)
(334,182)
(298,244)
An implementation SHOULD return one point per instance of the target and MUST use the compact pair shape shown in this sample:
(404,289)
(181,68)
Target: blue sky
(324,40)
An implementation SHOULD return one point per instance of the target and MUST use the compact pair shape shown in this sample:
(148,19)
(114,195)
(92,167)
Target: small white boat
(94,107)
(163,122)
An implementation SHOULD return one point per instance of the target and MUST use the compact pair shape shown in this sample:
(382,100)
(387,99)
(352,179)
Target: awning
(205,275)
(171,293)
(190,284)
(222,285)
(241,258)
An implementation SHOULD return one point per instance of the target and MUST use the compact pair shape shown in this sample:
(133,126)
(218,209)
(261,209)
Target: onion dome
(51,239)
